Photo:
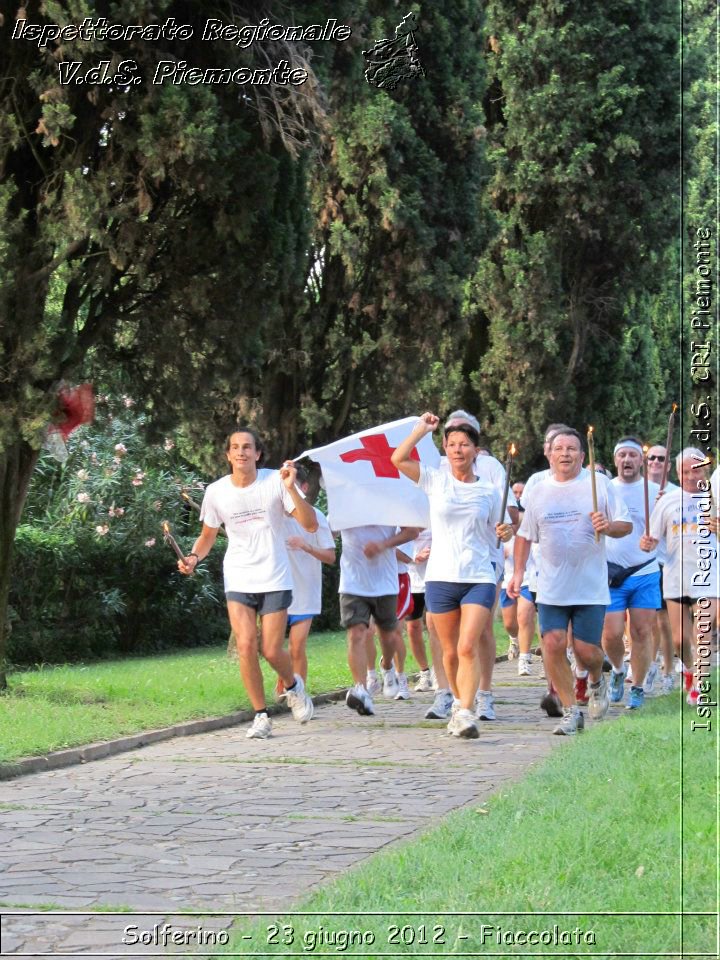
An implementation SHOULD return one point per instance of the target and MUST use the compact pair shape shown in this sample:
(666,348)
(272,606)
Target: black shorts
(418,607)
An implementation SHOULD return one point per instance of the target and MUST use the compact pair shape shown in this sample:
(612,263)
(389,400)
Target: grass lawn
(55,707)
(621,819)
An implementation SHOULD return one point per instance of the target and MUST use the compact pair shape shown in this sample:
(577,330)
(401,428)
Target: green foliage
(92,574)
(581,119)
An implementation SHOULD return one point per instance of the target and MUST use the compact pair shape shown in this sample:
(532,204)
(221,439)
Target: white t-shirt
(306,569)
(530,575)
(661,552)
(417,570)
(491,471)
(573,569)
(691,567)
(715,488)
(367,576)
(462,520)
(256,560)
(626,551)
(535,559)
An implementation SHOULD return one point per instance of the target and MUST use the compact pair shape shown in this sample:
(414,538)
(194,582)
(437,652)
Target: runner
(257,573)
(419,552)
(572,579)
(306,552)
(369,588)
(690,577)
(460,579)
(490,471)
(634,580)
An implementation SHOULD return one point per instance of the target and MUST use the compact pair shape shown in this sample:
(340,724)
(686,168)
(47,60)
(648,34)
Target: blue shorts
(587,620)
(637,593)
(294,618)
(506,601)
(444,597)
(262,603)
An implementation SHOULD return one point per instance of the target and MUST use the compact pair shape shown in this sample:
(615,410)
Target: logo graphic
(390,61)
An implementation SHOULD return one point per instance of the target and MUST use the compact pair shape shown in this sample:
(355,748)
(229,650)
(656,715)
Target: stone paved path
(219,822)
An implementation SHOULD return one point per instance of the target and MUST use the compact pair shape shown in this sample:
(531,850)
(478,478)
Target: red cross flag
(364,487)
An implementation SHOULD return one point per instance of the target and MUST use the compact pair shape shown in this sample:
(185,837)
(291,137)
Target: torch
(646,489)
(593,478)
(171,541)
(508,467)
(189,500)
(668,445)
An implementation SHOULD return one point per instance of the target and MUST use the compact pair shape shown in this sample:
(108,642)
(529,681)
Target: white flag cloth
(363,487)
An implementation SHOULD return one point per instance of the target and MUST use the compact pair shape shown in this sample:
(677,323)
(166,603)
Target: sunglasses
(656,456)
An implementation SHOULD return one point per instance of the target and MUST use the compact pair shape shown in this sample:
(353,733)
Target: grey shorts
(270,602)
(354,610)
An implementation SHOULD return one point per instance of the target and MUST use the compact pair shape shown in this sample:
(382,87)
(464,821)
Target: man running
(634,579)
(572,579)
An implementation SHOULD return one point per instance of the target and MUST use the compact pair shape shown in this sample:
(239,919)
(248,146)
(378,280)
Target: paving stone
(219,823)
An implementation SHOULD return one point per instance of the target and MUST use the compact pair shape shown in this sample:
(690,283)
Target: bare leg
(681,625)
(612,639)
(526,624)
(370,649)
(473,622)
(557,668)
(417,644)
(488,647)
(299,633)
(641,626)
(447,626)
(436,652)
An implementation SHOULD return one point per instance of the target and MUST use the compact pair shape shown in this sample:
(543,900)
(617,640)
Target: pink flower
(120,449)
(83,498)
(129,402)
(102,529)
(115,511)
(157,505)
(169,444)
(82,475)
(150,542)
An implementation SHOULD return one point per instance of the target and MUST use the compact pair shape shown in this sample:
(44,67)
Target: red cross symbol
(378,451)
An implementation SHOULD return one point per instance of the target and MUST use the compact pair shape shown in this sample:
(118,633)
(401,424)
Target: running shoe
(390,682)
(357,698)
(484,705)
(403,691)
(636,698)
(581,691)
(462,724)
(424,684)
(261,727)
(599,699)
(524,665)
(441,706)
(299,701)
(692,697)
(513,649)
(373,685)
(551,705)
(617,685)
(650,678)
(668,684)
(572,722)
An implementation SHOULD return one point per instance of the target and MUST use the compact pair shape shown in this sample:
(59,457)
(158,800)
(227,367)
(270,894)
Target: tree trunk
(17,462)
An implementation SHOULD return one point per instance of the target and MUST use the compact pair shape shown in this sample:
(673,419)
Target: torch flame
(165,526)
(513,450)
(645,449)
(674,407)
(184,494)
(590,431)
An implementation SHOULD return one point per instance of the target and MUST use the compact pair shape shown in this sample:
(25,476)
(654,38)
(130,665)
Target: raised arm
(303,512)
(401,454)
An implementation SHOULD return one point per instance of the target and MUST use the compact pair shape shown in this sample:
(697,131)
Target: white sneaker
(373,685)
(571,723)
(299,701)
(424,684)
(599,702)
(434,680)
(441,706)
(524,665)
(403,690)
(462,724)
(650,678)
(390,682)
(452,726)
(484,705)
(261,727)
(357,698)
(513,649)
(668,684)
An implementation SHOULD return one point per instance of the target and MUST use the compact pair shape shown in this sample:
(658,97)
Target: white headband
(631,444)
